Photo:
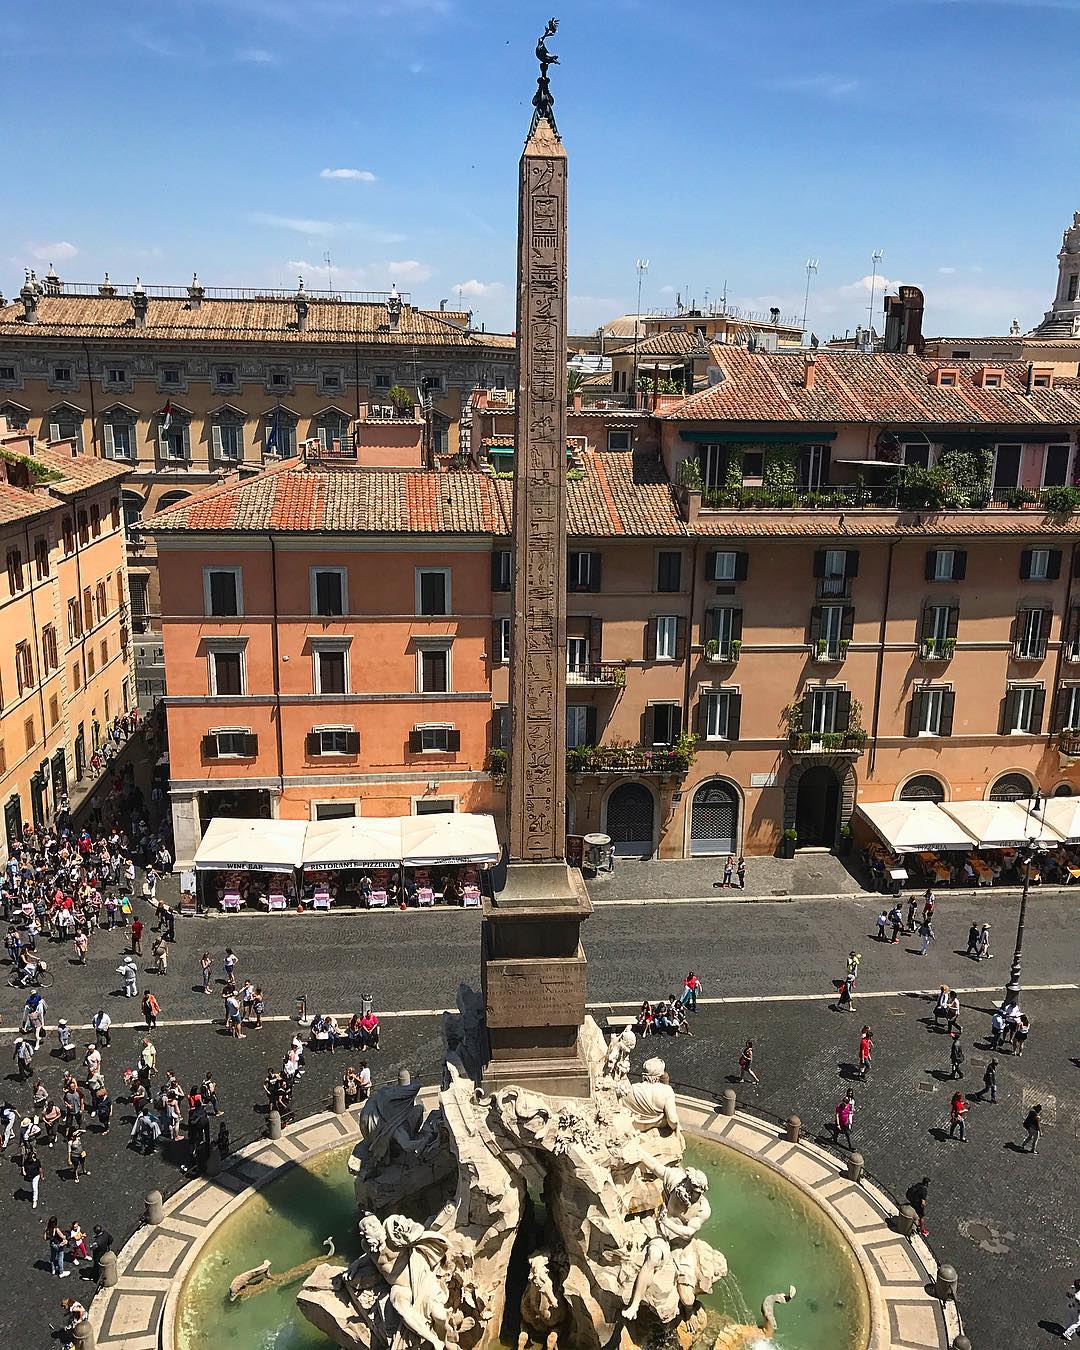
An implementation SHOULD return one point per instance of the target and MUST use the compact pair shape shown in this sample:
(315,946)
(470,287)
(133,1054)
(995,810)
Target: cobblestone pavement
(695,878)
(1006,1221)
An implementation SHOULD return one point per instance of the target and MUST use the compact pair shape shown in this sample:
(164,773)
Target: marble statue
(403,1153)
(652,1101)
(413,1310)
(617,1059)
(542,1306)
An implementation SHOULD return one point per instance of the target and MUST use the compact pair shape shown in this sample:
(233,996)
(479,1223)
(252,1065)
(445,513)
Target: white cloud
(256,56)
(946,271)
(855,290)
(820,86)
(355,175)
(300,224)
(480,289)
(416,68)
(408,269)
(375,276)
(51,252)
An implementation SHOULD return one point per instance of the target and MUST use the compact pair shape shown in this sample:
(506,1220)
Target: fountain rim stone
(701,1118)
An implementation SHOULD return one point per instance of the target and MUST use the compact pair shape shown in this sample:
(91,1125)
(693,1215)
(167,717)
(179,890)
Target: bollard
(855,1167)
(947,1279)
(367,1002)
(154,1212)
(275,1124)
(107,1275)
(339,1100)
(792,1128)
(82,1335)
(961,1342)
(729,1102)
(213,1162)
(906,1220)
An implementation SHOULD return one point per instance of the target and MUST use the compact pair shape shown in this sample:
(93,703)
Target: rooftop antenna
(642,268)
(329,273)
(811,269)
(876,257)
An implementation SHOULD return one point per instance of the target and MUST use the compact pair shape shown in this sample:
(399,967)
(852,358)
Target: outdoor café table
(425,897)
(276,901)
(230,901)
(1073,874)
(982,870)
(376,900)
(470,898)
(321,900)
(939,870)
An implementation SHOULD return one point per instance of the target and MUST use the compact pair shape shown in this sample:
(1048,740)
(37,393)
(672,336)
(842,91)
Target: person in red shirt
(957,1117)
(136,937)
(691,990)
(866,1051)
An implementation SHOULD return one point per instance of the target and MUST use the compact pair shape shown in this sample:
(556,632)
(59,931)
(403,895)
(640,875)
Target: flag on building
(166,415)
(273,439)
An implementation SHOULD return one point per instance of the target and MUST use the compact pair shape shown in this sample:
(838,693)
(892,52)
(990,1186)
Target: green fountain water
(770,1233)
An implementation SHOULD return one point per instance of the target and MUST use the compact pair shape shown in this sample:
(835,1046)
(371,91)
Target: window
(279,379)
(833,629)
(433,590)
(835,567)
(434,670)
(331,670)
(225,378)
(1007,460)
(1056,466)
(667,633)
(1040,564)
(104,652)
(333,741)
(133,505)
(333,426)
(330,381)
(90,663)
(826,710)
(669,571)
(1023,710)
(41,557)
(432,383)
(116,375)
(24,667)
(119,437)
(438,739)
(69,535)
(222,592)
(1032,632)
(227,436)
(61,374)
(54,710)
(101,601)
(382,379)
(720,715)
(502,641)
(328,591)
(230,744)
(726,566)
(7,374)
(139,585)
(18,418)
(991,381)
(501,575)
(724,628)
(84,527)
(619,440)
(932,712)
(577,657)
(580,726)
(14,570)
(923,787)
(946,564)
(583,572)
(49,653)
(170,377)
(65,424)
(76,677)
(279,433)
(335,810)
(74,614)
(227,671)
(1070,708)
(666,719)
(917,452)
(500,726)
(175,437)
(1070,294)
(28,732)
(947,378)
(95,521)
(961,356)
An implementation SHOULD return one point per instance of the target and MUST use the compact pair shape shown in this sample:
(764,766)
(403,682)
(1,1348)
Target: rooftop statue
(543,100)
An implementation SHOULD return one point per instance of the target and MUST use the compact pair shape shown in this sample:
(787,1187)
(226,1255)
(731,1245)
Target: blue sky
(724,140)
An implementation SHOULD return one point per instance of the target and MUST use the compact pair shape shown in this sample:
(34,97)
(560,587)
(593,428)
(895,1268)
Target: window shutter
(352,742)
(650,640)
(680,639)
(186,440)
(1061,703)
(676,722)
(54,431)
(1076,562)
(736,625)
(815,625)
(590,725)
(742,564)
(843,710)
(595,567)
(952,621)
(700,715)
(496,642)
(239,440)
(931,564)
(596,640)
(648,725)
(215,432)
(1053,565)
(314,744)
(1017,626)
(251,744)
(453,740)
(847,623)
(1008,711)
(959,564)
(1038,703)
(110,443)
(209,747)
(710,565)
(926,627)
(819,562)
(948,702)
(851,565)
(807,711)
(496,570)
(416,739)
(734,716)
(914,714)
(1025,564)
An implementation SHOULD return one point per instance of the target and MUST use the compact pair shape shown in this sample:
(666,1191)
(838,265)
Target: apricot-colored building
(769,615)
(65,652)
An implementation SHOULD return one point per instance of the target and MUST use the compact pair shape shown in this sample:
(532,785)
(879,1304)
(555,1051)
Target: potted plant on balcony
(496,763)
(683,750)
(579,757)
(401,399)
(1020,497)
(712,650)
(1061,501)
(734,648)
(788,840)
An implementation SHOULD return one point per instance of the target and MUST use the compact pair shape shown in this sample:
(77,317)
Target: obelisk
(533,965)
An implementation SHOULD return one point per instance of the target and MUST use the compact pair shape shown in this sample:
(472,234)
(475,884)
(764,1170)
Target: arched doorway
(1063,790)
(631,816)
(1012,787)
(924,787)
(714,819)
(817,808)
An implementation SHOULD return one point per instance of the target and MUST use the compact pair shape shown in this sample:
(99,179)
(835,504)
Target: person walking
(258,1007)
(989,1083)
(866,1051)
(845,1003)
(23,1056)
(844,1120)
(956,1056)
(691,990)
(1021,1034)
(228,968)
(100,1243)
(206,963)
(997,1029)
(31,1170)
(916,1196)
(896,918)
(929,904)
(136,937)
(1033,1126)
(76,1153)
(882,924)
(160,952)
(150,1010)
(129,973)
(746,1064)
(973,941)
(982,948)
(147,1062)
(957,1111)
(101,1022)
(740,872)
(926,932)
(1074,1299)
(912,908)
(57,1241)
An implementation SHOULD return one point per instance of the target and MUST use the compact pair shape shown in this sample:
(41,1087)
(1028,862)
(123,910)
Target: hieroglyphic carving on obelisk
(537,783)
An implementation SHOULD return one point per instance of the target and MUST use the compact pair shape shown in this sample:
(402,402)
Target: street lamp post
(1012,989)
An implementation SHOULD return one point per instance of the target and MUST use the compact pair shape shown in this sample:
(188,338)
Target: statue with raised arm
(617,1059)
(413,1312)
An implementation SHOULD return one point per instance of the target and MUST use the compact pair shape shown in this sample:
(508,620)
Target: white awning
(251,845)
(448,837)
(357,842)
(1001,824)
(1063,815)
(910,827)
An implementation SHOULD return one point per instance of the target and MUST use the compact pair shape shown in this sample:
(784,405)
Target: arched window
(227,434)
(18,417)
(333,425)
(923,788)
(65,424)
(1011,787)
(170,499)
(1063,790)
(174,433)
(119,432)
(279,433)
(133,505)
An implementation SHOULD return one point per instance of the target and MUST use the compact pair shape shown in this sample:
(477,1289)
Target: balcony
(1069,744)
(893,497)
(937,649)
(851,743)
(1071,653)
(597,675)
(829,653)
(625,759)
(723,655)
(1028,649)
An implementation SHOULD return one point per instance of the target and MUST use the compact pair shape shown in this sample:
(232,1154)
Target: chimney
(139,304)
(393,309)
(577,397)
(195,292)
(774,315)
(810,371)
(106,288)
(28,296)
(300,301)
(53,284)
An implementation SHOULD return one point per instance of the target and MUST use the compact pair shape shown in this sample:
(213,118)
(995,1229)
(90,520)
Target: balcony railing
(829,653)
(834,586)
(853,496)
(1026,649)
(1069,743)
(625,759)
(827,742)
(1072,652)
(723,654)
(937,649)
(597,674)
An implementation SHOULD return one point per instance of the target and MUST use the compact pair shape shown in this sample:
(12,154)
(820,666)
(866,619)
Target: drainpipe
(1066,619)
(872,757)
(277,681)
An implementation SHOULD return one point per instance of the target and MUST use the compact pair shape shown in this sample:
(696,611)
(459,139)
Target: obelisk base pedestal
(533,980)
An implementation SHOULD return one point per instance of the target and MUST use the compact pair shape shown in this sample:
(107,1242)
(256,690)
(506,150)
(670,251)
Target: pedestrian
(956,1056)
(691,990)
(57,1241)
(160,952)
(224,1146)
(929,904)
(740,872)
(23,1056)
(997,1029)
(896,918)
(50,1118)
(76,1155)
(1033,1126)
(1021,1034)
(989,1082)
(258,1006)
(103,1107)
(844,1119)
(31,1170)
(100,1243)
(957,1111)
(129,973)
(917,1195)
(150,1010)
(101,1022)
(206,962)
(1074,1298)
(912,907)
(8,1118)
(146,1131)
(847,988)
(983,952)
(746,1064)
(228,966)
(973,941)
(926,932)
(866,1051)
(233,1015)
(147,1062)
(208,1092)
(882,924)
(854,960)
(77,1238)
(729,868)
(136,937)
(63,1037)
